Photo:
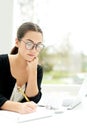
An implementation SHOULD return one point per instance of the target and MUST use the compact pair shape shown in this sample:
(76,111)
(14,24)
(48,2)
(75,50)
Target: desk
(75,119)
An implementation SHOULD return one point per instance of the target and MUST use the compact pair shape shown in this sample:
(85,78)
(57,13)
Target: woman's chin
(29,60)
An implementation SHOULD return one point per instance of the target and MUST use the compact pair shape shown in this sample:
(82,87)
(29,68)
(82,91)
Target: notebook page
(41,112)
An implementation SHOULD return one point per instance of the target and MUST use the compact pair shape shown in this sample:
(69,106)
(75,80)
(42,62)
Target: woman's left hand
(32,65)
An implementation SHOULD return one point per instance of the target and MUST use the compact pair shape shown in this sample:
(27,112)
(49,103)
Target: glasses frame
(34,45)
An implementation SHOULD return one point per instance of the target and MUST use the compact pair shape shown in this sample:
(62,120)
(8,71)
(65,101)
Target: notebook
(40,113)
(70,103)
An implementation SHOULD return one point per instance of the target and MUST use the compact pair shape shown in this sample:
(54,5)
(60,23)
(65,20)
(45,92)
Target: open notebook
(70,103)
(40,113)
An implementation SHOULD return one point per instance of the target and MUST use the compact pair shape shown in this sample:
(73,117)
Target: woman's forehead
(33,36)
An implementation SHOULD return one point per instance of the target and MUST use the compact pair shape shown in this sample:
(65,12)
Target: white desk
(75,119)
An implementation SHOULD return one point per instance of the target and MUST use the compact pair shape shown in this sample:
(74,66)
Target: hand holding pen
(26,107)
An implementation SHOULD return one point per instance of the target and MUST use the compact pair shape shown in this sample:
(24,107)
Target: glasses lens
(29,45)
(40,47)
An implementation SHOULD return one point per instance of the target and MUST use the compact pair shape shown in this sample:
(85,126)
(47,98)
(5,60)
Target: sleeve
(37,98)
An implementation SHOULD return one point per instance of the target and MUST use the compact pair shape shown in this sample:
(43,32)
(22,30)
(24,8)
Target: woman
(20,71)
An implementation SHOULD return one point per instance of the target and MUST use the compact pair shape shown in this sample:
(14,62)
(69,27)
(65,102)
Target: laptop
(71,103)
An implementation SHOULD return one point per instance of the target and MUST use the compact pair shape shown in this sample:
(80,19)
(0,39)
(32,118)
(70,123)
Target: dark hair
(22,30)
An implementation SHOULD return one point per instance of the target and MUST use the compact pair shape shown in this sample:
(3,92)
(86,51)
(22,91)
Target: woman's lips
(31,55)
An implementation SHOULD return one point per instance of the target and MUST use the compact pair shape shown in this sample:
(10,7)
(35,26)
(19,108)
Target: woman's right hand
(27,107)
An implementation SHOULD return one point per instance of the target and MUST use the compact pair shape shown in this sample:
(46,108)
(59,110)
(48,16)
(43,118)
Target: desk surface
(75,119)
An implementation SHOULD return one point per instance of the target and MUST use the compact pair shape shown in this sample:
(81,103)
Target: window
(64,24)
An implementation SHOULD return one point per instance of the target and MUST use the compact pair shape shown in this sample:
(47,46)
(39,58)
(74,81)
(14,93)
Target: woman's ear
(16,42)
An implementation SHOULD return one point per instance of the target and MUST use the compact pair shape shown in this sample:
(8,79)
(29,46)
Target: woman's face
(28,48)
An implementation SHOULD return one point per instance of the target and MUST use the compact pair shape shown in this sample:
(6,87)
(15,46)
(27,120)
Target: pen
(20,90)
(41,105)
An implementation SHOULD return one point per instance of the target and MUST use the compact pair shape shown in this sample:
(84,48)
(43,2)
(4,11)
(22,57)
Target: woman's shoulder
(3,59)
(39,67)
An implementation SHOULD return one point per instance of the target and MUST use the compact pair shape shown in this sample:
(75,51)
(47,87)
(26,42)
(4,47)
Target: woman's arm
(18,107)
(37,97)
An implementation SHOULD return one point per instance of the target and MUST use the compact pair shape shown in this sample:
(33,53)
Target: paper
(41,112)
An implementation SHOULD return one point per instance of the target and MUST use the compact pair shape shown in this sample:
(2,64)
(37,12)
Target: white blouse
(16,95)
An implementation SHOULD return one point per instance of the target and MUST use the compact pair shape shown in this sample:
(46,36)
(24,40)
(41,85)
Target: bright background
(58,18)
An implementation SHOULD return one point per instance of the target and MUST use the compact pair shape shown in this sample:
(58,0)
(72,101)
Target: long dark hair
(22,30)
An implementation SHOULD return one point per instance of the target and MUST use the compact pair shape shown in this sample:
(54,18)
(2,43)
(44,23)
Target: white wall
(6,24)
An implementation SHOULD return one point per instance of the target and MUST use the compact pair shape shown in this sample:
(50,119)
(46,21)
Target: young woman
(20,73)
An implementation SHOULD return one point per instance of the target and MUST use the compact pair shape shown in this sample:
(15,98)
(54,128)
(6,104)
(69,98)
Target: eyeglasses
(30,45)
